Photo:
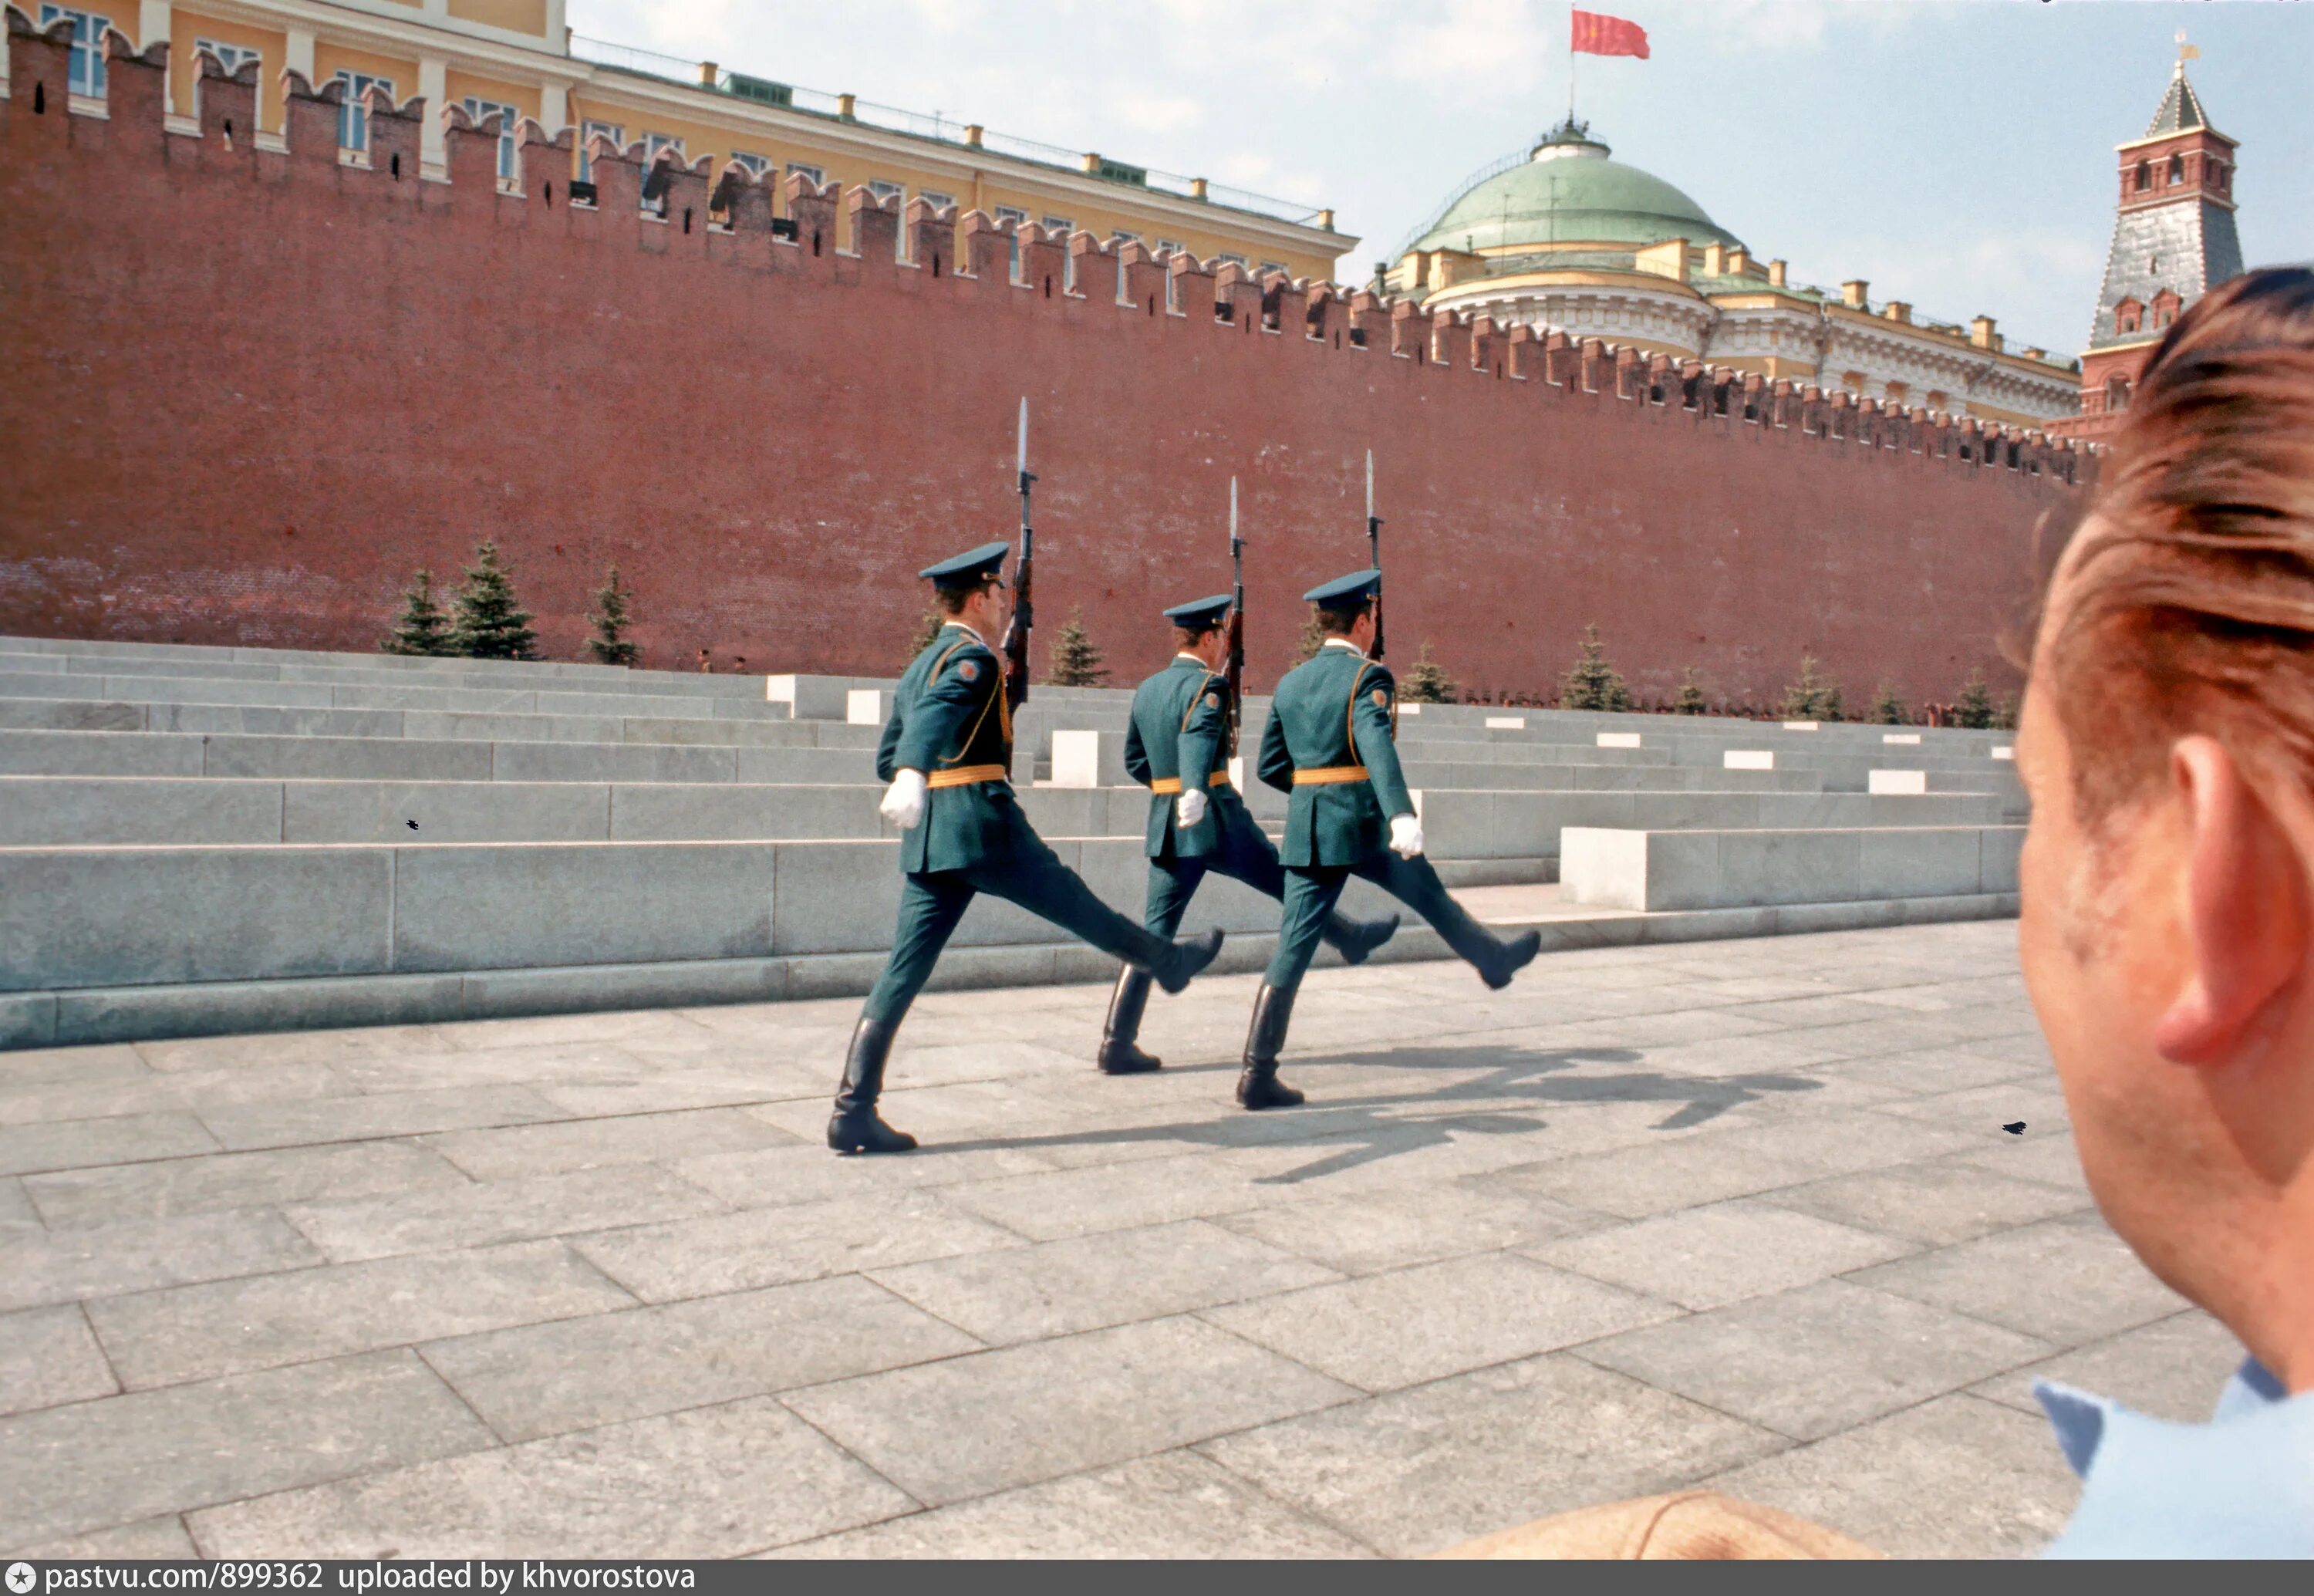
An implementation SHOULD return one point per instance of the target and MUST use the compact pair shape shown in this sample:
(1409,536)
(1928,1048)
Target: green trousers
(1311,892)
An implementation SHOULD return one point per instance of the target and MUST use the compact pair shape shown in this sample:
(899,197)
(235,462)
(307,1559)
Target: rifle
(1374,553)
(1235,670)
(1024,616)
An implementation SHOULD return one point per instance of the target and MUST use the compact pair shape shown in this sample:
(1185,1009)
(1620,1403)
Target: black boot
(1355,939)
(1258,1087)
(1511,954)
(855,1128)
(1119,1054)
(1185,958)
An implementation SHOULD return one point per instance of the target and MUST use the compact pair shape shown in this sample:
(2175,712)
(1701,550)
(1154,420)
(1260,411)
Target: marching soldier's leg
(1415,882)
(1035,878)
(1309,898)
(1172,882)
(930,907)
(1252,858)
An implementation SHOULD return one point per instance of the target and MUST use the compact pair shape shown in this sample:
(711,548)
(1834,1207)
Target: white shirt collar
(1192,658)
(1346,643)
(976,638)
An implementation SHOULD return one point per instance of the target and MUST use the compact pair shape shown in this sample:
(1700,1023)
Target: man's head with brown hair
(2167,741)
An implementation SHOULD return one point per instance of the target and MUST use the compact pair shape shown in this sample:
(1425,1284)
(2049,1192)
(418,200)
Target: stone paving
(1739,1213)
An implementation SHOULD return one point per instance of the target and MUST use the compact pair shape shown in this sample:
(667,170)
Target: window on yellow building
(1269,266)
(85,72)
(1018,218)
(879,190)
(611,131)
(508,117)
(1853,381)
(754,165)
(233,58)
(1171,246)
(818,177)
(1059,225)
(937,201)
(353,109)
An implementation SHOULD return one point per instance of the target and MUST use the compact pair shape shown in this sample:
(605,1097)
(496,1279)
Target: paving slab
(990,1421)
(165,1338)
(170,1187)
(1174,1504)
(139,1255)
(65,1471)
(2068,1281)
(1816,1360)
(2172,1369)
(507,1153)
(733,1252)
(1058,1288)
(1409,1326)
(165,1537)
(575,1374)
(1421,1470)
(1957,1477)
(118,1139)
(717,1482)
(1709,1256)
(1937,1201)
(493,1210)
(49,1356)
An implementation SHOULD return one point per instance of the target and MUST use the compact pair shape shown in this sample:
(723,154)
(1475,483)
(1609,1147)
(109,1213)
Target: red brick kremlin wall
(246,394)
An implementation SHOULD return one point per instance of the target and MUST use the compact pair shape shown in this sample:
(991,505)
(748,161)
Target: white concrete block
(2006,751)
(1237,773)
(1911,738)
(1619,739)
(807,698)
(1801,726)
(1506,723)
(1409,709)
(1076,759)
(863,706)
(1748,759)
(1896,781)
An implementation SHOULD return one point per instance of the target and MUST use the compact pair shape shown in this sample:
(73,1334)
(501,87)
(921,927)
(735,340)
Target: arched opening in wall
(2176,169)
(550,196)
(1688,390)
(394,166)
(2144,175)
(1152,304)
(39,100)
(228,133)
(1048,285)
(686,218)
(936,263)
(815,241)
(2116,393)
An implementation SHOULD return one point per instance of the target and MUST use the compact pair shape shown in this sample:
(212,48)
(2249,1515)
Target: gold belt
(1165,785)
(970,775)
(1331,776)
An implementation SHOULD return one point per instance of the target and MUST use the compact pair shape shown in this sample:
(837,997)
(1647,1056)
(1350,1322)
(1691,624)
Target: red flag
(1596,35)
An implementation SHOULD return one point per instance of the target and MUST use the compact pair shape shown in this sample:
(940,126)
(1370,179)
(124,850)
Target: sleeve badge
(1381,699)
(970,671)
(1213,700)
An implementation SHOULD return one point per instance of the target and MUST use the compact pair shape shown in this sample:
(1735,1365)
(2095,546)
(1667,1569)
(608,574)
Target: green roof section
(2181,109)
(1570,190)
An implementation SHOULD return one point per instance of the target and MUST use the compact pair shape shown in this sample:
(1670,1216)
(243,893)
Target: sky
(1956,154)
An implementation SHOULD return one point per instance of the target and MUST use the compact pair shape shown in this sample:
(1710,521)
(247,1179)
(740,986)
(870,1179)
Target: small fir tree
(609,644)
(927,627)
(2004,716)
(1594,684)
(1312,638)
(491,624)
(1973,710)
(421,628)
(1427,683)
(1887,709)
(1689,700)
(1075,660)
(1812,697)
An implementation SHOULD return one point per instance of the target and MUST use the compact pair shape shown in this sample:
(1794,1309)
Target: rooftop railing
(937,129)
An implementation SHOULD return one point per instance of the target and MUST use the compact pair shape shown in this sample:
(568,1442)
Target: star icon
(20,1577)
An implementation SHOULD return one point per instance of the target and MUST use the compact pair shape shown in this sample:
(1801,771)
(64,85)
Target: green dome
(1569,191)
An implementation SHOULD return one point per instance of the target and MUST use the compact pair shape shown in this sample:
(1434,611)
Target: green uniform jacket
(949,714)
(1335,711)
(1180,731)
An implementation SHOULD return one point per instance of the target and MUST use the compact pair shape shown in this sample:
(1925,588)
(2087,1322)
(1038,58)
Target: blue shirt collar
(2240,1485)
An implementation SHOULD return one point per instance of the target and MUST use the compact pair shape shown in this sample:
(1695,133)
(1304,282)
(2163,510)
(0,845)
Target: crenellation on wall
(931,237)
(985,249)
(137,101)
(1093,269)
(1043,261)
(811,206)
(874,227)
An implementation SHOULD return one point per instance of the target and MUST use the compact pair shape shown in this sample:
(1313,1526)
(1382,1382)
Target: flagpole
(1570,65)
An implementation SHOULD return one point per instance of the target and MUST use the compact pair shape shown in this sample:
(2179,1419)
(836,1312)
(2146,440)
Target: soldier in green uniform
(947,752)
(1179,744)
(1331,744)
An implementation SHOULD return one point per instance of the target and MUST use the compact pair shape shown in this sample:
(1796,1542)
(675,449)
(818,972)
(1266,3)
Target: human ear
(2246,912)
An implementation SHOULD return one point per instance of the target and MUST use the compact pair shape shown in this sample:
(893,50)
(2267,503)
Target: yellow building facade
(519,56)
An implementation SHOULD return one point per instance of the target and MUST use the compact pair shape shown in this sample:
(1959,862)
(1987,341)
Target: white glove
(904,802)
(1190,808)
(1405,836)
